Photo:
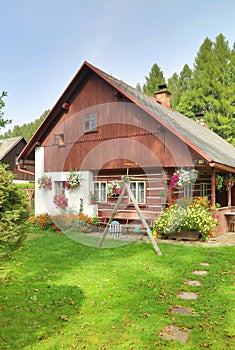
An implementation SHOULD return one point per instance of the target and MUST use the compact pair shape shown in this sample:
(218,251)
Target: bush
(14,210)
(195,216)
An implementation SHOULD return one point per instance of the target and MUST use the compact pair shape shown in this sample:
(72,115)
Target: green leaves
(13,212)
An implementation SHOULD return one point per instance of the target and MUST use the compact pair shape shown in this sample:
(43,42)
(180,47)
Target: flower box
(185,235)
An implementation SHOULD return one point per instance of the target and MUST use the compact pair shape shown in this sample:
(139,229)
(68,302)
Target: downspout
(23,170)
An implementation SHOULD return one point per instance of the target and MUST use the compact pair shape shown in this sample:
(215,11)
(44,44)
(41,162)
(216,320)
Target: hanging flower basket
(179,179)
(61,201)
(114,189)
(73,180)
(45,182)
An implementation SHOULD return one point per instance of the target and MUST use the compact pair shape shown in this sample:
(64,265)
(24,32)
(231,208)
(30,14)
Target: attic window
(90,122)
(58,139)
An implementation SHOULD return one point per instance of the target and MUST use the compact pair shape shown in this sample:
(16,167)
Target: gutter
(23,170)
(222,167)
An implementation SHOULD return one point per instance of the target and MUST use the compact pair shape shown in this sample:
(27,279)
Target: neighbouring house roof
(6,145)
(201,139)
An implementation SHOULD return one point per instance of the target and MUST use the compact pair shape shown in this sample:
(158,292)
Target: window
(203,189)
(138,190)
(59,187)
(90,122)
(58,139)
(100,191)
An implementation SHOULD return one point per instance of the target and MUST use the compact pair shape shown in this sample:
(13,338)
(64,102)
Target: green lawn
(59,294)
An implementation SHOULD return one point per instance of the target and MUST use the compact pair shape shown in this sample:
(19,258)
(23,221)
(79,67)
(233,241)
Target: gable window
(90,122)
(59,187)
(138,188)
(100,191)
(58,139)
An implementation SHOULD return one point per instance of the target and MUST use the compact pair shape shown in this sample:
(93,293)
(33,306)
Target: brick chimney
(163,96)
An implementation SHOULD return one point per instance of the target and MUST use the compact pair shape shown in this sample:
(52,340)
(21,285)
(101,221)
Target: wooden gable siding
(123,130)
(10,159)
(93,91)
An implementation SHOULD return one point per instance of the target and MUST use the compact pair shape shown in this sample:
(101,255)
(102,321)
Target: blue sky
(44,42)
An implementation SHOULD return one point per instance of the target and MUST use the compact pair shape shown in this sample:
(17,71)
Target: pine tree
(154,79)
(179,85)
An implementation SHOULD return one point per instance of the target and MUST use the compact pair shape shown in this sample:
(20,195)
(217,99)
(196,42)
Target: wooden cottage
(104,129)
(10,149)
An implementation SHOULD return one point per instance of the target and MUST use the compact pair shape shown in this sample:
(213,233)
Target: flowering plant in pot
(73,180)
(60,200)
(45,182)
(179,179)
(114,189)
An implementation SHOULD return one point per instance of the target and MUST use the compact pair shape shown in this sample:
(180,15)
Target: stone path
(181,333)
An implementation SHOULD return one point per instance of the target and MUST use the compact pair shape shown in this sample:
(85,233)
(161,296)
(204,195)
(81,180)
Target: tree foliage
(3,121)
(26,130)
(14,210)
(154,79)
(208,89)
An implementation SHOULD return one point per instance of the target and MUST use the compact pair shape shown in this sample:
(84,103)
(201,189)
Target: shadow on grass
(34,312)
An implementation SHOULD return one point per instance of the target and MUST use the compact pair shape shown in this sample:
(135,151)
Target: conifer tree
(154,79)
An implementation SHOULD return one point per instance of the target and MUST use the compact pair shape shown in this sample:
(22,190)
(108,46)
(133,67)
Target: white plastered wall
(44,197)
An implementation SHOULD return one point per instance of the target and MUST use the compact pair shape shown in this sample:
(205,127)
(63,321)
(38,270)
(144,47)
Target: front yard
(59,294)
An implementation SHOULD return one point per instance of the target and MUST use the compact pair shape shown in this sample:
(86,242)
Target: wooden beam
(213,199)
(132,198)
(126,188)
(112,217)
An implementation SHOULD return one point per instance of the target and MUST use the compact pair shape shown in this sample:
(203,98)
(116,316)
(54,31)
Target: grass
(59,294)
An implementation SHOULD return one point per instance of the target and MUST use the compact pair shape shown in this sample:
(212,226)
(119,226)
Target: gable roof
(202,140)
(6,145)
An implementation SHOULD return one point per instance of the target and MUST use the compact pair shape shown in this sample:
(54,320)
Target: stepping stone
(193,283)
(187,295)
(200,272)
(180,334)
(181,310)
(204,264)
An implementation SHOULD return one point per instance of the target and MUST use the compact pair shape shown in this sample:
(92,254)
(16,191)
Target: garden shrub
(183,216)
(14,210)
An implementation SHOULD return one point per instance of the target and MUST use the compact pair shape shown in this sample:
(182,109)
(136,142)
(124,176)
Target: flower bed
(71,222)
(184,215)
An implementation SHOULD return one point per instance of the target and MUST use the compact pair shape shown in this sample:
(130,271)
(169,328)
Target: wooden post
(213,199)
(112,217)
(154,243)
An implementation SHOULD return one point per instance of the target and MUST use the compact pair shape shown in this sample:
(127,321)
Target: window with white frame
(100,191)
(203,189)
(138,188)
(90,122)
(59,187)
